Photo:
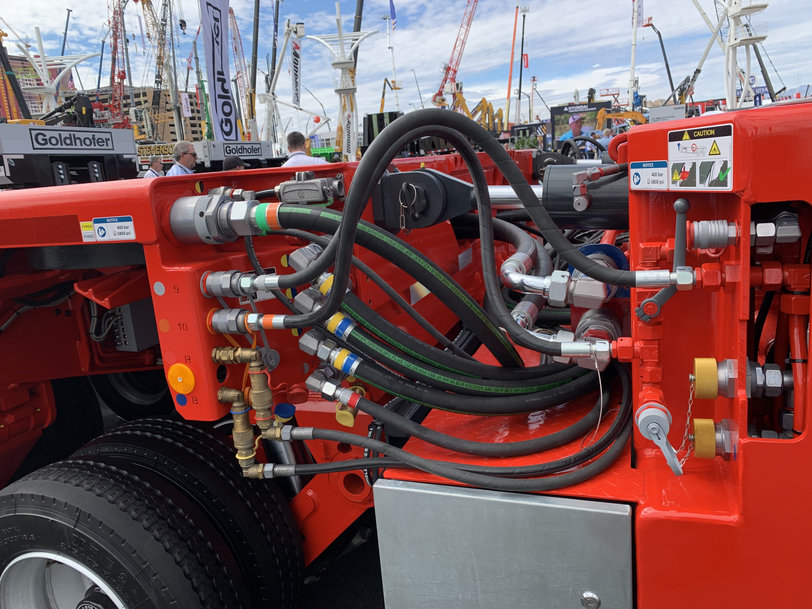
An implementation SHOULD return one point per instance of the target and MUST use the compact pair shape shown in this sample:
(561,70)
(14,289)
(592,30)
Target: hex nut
(559,284)
(765,234)
(587,293)
(239,217)
(685,278)
(773,381)
(329,389)
(309,343)
(787,229)
(325,350)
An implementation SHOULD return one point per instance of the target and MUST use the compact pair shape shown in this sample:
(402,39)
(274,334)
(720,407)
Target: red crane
(117,117)
(450,70)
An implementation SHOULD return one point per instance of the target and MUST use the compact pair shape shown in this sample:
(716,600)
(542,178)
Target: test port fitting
(242,431)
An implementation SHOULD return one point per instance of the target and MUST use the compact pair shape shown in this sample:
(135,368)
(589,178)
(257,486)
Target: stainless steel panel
(446,547)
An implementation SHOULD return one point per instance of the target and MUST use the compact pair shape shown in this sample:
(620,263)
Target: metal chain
(687,445)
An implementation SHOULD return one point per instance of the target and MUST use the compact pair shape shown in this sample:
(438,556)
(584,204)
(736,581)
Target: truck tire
(252,515)
(133,395)
(92,535)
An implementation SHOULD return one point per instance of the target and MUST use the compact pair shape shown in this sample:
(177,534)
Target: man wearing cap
(232,163)
(576,128)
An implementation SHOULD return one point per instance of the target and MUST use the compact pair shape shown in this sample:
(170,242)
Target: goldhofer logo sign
(60,139)
(243,149)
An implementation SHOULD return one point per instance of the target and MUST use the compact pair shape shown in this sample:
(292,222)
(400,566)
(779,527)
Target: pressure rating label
(648,175)
(116,228)
(701,158)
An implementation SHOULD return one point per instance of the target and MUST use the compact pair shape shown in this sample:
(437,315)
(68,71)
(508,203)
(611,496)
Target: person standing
(605,138)
(156,167)
(297,156)
(185,159)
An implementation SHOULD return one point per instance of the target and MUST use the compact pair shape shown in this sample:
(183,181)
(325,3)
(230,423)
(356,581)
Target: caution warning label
(701,158)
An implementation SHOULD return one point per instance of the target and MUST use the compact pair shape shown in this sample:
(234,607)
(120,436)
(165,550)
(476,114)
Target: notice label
(120,228)
(701,158)
(648,175)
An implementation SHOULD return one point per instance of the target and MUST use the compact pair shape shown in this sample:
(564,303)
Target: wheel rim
(49,580)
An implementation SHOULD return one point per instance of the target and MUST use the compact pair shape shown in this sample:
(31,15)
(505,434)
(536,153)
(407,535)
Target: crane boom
(450,70)
(240,65)
(117,63)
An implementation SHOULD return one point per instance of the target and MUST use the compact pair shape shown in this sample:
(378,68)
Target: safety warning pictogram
(685,136)
(714,149)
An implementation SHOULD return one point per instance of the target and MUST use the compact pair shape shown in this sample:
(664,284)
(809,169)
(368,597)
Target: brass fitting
(242,432)
(254,471)
(235,355)
(260,393)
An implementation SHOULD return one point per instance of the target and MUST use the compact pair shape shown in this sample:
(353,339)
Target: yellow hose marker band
(706,381)
(181,378)
(704,438)
(333,322)
(341,357)
(326,285)
(251,456)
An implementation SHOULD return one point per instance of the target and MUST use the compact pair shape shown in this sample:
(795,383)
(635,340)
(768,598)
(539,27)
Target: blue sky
(571,44)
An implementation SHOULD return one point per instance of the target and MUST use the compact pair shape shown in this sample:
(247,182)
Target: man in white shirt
(156,167)
(185,159)
(298,157)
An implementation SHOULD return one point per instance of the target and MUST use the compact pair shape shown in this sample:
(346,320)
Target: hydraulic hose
(550,394)
(457,473)
(411,261)
(357,341)
(409,126)
(405,342)
(485,449)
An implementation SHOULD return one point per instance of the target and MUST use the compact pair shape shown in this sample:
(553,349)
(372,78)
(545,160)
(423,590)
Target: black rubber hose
(381,283)
(553,394)
(617,427)
(406,257)
(405,342)
(410,124)
(452,472)
(484,449)
(369,347)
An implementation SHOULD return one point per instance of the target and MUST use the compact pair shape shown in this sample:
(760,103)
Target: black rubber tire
(146,546)
(252,515)
(134,395)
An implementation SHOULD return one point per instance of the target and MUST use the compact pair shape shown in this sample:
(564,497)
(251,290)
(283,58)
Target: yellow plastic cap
(345,415)
(704,438)
(706,379)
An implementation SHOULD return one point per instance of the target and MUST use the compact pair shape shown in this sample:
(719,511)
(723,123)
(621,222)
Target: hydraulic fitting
(714,234)
(559,288)
(242,432)
(308,300)
(654,420)
(212,218)
(227,284)
(714,439)
(304,188)
(599,327)
(712,379)
(228,321)
(303,257)
(235,355)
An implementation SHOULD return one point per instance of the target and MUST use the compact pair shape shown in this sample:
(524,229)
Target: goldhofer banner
(295,71)
(213,15)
